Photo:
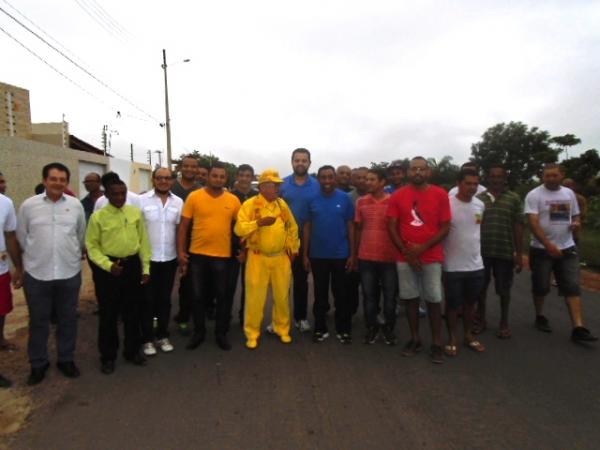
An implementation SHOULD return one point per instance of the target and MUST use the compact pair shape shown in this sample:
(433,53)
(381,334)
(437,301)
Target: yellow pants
(260,272)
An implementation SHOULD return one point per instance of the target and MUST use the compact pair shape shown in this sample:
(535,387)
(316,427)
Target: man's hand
(575,226)
(292,257)
(183,263)
(116,269)
(145,279)
(518,260)
(241,256)
(306,264)
(17,278)
(553,250)
(266,221)
(350,264)
(413,251)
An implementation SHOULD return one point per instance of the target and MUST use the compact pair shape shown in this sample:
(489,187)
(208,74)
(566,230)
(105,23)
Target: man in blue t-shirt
(329,253)
(298,189)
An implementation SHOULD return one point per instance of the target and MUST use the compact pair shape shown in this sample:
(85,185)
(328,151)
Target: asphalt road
(533,391)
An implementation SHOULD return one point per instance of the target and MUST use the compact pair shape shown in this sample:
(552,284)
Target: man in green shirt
(501,244)
(117,242)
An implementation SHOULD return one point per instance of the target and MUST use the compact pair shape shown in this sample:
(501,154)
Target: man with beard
(553,215)
(298,189)
(209,213)
(419,219)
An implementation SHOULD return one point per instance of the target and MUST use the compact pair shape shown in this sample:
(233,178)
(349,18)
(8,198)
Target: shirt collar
(154,194)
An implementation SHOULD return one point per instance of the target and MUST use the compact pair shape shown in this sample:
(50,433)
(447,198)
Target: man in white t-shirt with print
(553,215)
(463,264)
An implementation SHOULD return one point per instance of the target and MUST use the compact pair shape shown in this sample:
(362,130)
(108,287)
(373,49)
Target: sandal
(450,350)
(504,334)
(475,345)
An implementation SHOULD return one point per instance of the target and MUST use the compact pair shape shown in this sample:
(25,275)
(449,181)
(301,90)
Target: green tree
(443,172)
(566,141)
(521,149)
(584,170)
(209,159)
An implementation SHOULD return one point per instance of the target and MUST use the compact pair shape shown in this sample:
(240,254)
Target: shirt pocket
(67,223)
(172,215)
(151,213)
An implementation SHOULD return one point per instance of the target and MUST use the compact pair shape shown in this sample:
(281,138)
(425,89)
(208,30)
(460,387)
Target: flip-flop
(475,345)
(450,350)
(504,334)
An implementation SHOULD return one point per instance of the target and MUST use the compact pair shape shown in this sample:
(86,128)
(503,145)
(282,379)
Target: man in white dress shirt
(51,231)
(162,212)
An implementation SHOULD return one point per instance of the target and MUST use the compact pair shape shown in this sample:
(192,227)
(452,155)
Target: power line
(76,64)
(108,16)
(95,18)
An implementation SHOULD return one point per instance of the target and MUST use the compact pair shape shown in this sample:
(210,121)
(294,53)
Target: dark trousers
(207,271)
(300,287)
(325,271)
(42,298)
(234,271)
(377,277)
(125,295)
(158,299)
(185,300)
(353,291)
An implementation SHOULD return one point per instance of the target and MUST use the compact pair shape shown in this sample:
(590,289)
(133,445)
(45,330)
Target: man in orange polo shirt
(212,210)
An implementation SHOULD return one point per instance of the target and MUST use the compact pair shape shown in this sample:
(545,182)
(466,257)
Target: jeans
(158,299)
(377,277)
(42,297)
(300,287)
(209,276)
(323,271)
(125,295)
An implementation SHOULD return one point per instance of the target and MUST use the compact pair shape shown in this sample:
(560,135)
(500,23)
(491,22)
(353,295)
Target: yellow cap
(269,176)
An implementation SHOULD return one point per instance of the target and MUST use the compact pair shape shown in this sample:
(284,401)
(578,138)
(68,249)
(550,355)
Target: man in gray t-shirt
(553,216)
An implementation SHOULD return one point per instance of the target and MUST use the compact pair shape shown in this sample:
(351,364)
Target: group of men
(389,233)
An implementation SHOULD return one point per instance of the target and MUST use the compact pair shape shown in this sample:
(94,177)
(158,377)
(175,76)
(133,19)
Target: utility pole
(159,153)
(131,152)
(149,153)
(167,118)
(104,138)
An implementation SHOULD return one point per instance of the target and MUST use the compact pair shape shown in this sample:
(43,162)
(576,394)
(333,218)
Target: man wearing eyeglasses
(162,212)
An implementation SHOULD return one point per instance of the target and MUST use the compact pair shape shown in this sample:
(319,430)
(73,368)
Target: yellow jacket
(282,236)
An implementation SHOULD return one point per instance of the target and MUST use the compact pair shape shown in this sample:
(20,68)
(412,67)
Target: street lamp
(168,118)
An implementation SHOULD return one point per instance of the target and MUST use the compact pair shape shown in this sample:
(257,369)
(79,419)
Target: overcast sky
(353,81)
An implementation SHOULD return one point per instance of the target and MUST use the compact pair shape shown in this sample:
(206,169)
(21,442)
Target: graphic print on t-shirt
(559,212)
(417,221)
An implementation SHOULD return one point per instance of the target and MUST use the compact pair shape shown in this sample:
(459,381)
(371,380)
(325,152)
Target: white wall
(122,168)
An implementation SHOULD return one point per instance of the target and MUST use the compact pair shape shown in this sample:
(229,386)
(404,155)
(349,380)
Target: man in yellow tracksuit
(267,225)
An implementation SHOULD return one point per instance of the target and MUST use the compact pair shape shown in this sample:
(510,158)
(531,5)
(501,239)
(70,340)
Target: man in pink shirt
(376,257)
(419,219)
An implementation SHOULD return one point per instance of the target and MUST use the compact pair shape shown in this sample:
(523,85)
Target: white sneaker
(165,345)
(149,349)
(270,329)
(302,325)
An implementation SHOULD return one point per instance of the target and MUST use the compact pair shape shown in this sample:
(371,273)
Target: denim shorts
(463,287)
(425,284)
(566,272)
(503,271)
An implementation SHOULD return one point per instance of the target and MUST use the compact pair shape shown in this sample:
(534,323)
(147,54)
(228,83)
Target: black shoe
(107,367)
(437,354)
(542,324)
(195,341)
(412,348)
(223,342)
(371,336)
(345,338)
(388,336)
(37,374)
(5,382)
(137,360)
(68,369)
(320,336)
(581,334)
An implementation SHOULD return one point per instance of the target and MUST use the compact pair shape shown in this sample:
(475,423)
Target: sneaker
(371,336)
(286,339)
(165,345)
(302,325)
(581,334)
(437,354)
(345,338)
(542,324)
(270,329)
(320,336)
(388,336)
(149,349)
(412,348)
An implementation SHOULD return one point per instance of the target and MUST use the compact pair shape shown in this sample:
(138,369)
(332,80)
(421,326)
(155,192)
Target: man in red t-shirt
(419,219)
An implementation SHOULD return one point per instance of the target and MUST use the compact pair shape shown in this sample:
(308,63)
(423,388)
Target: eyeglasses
(163,178)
